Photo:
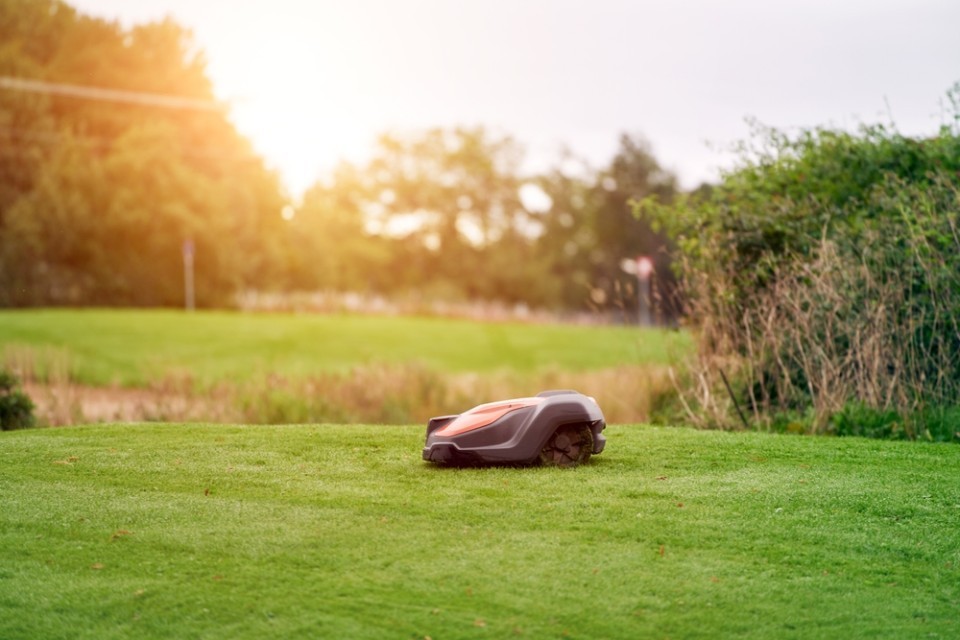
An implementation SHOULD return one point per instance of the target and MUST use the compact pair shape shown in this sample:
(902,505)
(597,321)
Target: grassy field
(133,347)
(167,530)
(161,365)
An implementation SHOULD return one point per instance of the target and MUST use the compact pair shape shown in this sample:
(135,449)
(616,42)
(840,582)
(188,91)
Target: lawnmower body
(555,427)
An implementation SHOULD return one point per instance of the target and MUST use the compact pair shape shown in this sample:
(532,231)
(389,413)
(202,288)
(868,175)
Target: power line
(109,95)
(27,138)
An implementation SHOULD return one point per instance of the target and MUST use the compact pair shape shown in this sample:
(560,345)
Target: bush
(823,278)
(858,419)
(16,408)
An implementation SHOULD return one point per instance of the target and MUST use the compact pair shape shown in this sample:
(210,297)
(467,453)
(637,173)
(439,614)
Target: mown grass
(134,347)
(118,531)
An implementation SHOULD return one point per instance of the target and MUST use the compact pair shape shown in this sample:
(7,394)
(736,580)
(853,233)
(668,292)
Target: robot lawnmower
(557,428)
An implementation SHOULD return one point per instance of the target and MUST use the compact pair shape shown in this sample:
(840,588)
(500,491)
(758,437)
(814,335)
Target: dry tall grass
(385,394)
(871,321)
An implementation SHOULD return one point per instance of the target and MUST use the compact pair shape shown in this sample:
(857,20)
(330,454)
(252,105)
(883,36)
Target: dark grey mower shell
(519,435)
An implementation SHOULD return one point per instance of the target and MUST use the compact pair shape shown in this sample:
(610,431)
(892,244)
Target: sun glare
(300,91)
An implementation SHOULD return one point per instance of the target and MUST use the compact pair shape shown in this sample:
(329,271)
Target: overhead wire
(165,101)
(27,137)
(23,137)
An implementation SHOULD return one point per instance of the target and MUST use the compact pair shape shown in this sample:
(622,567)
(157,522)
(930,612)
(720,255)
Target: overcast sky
(315,81)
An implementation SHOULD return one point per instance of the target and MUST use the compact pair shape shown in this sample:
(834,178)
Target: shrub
(859,419)
(16,408)
(823,279)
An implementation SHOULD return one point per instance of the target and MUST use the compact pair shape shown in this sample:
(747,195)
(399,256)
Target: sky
(312,82)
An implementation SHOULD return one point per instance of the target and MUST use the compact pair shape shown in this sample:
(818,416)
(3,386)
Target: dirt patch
(70,403)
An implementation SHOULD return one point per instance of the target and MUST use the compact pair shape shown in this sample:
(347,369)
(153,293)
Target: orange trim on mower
(485,414)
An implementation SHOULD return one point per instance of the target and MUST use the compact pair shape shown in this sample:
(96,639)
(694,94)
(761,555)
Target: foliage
(440,212)
(824,274)
(590,230)
(326,244)
(445,205)
(342,531)
(858,419)
(16,407)
(939,423)
(98,199)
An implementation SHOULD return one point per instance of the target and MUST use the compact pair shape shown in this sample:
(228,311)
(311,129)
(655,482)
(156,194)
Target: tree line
(98,198)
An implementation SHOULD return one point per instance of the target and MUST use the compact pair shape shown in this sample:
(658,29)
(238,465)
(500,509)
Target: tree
(591,230)
(447,202)
(329,246)
(97,197)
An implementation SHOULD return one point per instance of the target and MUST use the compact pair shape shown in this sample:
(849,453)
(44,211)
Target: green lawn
(137,346)
(166,530)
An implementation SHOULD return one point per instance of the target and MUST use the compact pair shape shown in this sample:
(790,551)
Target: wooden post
(188,249)
(644,291)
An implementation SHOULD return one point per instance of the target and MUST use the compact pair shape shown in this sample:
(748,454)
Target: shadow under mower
(557,428)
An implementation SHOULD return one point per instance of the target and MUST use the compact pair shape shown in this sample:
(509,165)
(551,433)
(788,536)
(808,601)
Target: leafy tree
(330,247)
(448,202)
(591,230)
(97,197)
(440,213)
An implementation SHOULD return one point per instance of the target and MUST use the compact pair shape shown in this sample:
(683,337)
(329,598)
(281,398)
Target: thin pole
(643,301)
(644,291)
(188,300)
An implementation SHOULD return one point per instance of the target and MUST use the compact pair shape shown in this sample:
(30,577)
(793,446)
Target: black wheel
(569,446)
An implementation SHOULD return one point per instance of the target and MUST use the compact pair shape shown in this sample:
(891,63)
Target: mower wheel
(569,446)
